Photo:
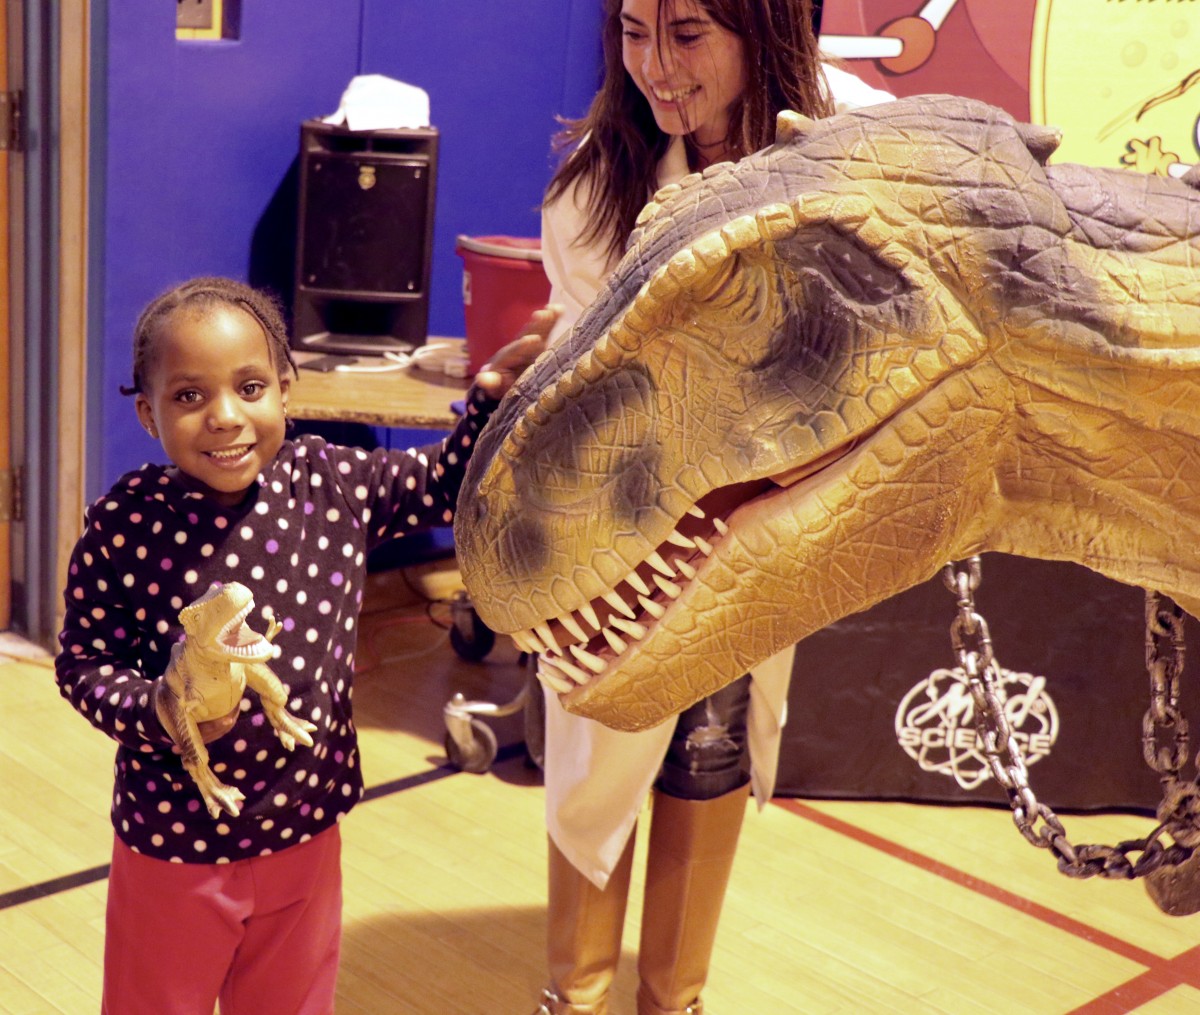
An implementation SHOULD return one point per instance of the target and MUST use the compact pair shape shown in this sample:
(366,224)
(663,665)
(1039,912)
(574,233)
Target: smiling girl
(247,907)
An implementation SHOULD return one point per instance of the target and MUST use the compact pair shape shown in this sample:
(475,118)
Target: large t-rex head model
(893,339)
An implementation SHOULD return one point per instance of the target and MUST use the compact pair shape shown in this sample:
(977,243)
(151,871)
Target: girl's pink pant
(262,935)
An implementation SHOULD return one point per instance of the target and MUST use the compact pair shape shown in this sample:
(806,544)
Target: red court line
(1166,975)
(1160,976)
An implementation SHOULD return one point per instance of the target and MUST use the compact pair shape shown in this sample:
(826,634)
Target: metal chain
(1164,742)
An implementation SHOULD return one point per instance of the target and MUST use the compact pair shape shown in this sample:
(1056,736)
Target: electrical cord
(445,358)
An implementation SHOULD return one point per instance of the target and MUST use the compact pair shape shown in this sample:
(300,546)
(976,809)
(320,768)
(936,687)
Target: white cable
(445,359)
(396,361)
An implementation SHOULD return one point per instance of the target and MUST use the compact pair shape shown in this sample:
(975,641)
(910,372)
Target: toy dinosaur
(893,339)
(207,675)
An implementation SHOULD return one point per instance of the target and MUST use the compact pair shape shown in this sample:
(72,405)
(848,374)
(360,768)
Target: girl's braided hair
(197,296)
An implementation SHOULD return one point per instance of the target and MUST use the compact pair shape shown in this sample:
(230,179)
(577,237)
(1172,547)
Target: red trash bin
(503,284)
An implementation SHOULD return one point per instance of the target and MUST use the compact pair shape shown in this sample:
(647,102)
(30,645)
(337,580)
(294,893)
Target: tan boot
(583,935)
(691,851)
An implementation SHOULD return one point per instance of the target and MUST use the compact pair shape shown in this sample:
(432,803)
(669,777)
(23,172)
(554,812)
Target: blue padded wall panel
(497,74)
(202,138)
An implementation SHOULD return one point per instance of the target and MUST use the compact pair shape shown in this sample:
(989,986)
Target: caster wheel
(470,637)
(477,757)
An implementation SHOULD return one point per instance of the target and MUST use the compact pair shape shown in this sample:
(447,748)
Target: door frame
(6,302)
(75,51)
(50,60)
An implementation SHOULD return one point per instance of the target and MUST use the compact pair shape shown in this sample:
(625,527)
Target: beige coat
(598,779)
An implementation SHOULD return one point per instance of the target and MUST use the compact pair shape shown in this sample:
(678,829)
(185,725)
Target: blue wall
(200,151)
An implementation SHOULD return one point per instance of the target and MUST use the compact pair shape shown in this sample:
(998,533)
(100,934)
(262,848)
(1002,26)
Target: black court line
(43,889)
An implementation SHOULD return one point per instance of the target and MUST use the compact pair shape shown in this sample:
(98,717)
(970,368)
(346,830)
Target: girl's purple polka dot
(309,507)
(166,564)
(289,624)
(193,806)
(272,546)
(336,578)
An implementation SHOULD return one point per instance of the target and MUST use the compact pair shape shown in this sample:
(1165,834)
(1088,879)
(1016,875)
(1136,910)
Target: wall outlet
(207,19)
(194,14)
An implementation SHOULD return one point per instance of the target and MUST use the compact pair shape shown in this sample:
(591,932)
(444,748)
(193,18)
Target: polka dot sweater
(299,542)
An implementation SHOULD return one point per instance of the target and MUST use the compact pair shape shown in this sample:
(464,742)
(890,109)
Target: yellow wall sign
(1121,78)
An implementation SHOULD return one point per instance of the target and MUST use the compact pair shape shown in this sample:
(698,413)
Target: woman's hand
(508,363)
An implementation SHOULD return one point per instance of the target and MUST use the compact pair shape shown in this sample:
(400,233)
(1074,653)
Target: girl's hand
(501,372)
(211,729)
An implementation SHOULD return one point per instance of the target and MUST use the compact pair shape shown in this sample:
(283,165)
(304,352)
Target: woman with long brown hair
(687,83)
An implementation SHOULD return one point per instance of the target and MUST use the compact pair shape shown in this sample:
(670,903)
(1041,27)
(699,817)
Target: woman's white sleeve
(850,92)
(576,270)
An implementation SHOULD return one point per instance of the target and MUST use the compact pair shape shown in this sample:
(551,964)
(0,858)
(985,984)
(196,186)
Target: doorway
(7,477)
(44,170)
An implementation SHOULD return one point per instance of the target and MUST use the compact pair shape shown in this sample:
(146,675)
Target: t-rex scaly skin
(893,339)
(208,673)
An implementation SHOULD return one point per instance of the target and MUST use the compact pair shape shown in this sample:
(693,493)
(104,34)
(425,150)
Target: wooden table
(397,398)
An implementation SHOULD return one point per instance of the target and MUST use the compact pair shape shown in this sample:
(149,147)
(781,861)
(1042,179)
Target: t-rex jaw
(601,631)
(239,641)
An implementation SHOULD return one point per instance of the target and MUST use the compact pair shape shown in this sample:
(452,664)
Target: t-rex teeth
(660,565)
(685,569)
(571,624)
(720,526)
(614,642)
(670,588)
(552,680)
(618,604)
(543,632)
(570,669)
(704,546)
(677,538)
(630,627)
(522,641)
(593,663)
(696,511)
(638,583)
(651,607)
(589,614)
(534,644)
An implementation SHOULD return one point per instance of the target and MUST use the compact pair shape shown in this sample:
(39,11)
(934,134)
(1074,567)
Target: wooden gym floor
(834,907)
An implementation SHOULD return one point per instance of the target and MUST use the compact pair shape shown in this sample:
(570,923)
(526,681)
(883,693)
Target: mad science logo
(935,723)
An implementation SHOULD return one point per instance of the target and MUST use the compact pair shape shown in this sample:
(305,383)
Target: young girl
(246,909)
(687,83)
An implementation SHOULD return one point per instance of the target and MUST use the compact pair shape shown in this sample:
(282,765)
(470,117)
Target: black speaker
(364,238)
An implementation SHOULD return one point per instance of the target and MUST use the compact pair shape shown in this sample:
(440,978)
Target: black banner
(877,709)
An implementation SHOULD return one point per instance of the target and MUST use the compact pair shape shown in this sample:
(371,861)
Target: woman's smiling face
(690,69)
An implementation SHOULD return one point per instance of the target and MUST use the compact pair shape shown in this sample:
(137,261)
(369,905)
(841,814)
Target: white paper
(376,102)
